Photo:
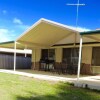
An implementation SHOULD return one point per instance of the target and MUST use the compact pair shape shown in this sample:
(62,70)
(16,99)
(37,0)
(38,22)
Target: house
(51,40)
(91,52)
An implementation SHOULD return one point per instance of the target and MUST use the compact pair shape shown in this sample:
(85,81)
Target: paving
(40,76)
(92,82)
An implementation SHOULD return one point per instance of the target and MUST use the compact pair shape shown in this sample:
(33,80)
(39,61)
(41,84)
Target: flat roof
(10,44)
(90,32)
(6,42)
(7,50)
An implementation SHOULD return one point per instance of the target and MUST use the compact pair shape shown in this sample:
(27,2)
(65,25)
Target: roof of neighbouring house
(90,32)
(10,44)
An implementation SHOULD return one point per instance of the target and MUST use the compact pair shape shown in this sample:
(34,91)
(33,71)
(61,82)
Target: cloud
(80,29)
(17,21)
(83,29)
(4,11)
(23,27)
(10,35)
(6,35)
(11,32)
(19,24)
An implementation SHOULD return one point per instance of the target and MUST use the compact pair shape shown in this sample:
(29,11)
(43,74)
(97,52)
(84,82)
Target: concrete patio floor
(50,73)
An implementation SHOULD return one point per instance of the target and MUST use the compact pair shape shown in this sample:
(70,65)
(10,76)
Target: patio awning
(46,33)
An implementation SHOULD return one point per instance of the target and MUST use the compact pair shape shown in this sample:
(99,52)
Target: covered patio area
(56,48)
(45,38)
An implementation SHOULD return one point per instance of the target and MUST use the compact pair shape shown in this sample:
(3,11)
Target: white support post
(14,56)
(34,57)
(48,53)
(79,60)
(25,51)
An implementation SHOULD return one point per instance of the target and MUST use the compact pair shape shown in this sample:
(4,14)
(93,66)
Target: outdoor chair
(75,68)
(64,68)
(70,69)
(42,65)
(57,67)
(51,65)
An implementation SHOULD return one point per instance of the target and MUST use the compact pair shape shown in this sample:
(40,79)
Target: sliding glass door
(70,55)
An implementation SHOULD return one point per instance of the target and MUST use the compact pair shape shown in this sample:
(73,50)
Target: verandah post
(79,60)
(14,55)
(34,58)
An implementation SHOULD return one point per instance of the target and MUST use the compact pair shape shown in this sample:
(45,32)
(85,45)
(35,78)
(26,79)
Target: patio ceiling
(46,33)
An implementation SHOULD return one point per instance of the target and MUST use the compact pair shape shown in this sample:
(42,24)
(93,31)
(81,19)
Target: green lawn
(14,87)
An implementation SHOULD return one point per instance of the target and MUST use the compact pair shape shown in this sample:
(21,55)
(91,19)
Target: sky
(16,16)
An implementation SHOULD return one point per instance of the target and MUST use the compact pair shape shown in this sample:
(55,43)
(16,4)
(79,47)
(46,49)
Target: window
(51,54)
(44,53)
(70,55)
(96,56)
(48,53)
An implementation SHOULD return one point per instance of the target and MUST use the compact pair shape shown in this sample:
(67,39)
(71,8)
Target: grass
(14,87)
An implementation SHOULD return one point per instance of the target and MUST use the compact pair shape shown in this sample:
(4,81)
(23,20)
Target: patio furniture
(46,64)
(42,64)
(49,65)
(70,68)
(75,68)
(64,68)
(57,68)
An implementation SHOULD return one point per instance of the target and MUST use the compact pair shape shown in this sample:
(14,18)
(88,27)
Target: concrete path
(39,76)
(92,82)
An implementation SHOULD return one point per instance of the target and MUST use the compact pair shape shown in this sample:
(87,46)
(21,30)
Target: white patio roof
(46,33)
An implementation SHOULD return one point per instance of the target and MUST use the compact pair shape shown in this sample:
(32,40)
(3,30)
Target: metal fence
(7,61)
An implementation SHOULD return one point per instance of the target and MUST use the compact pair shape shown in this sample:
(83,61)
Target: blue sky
(18,15)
